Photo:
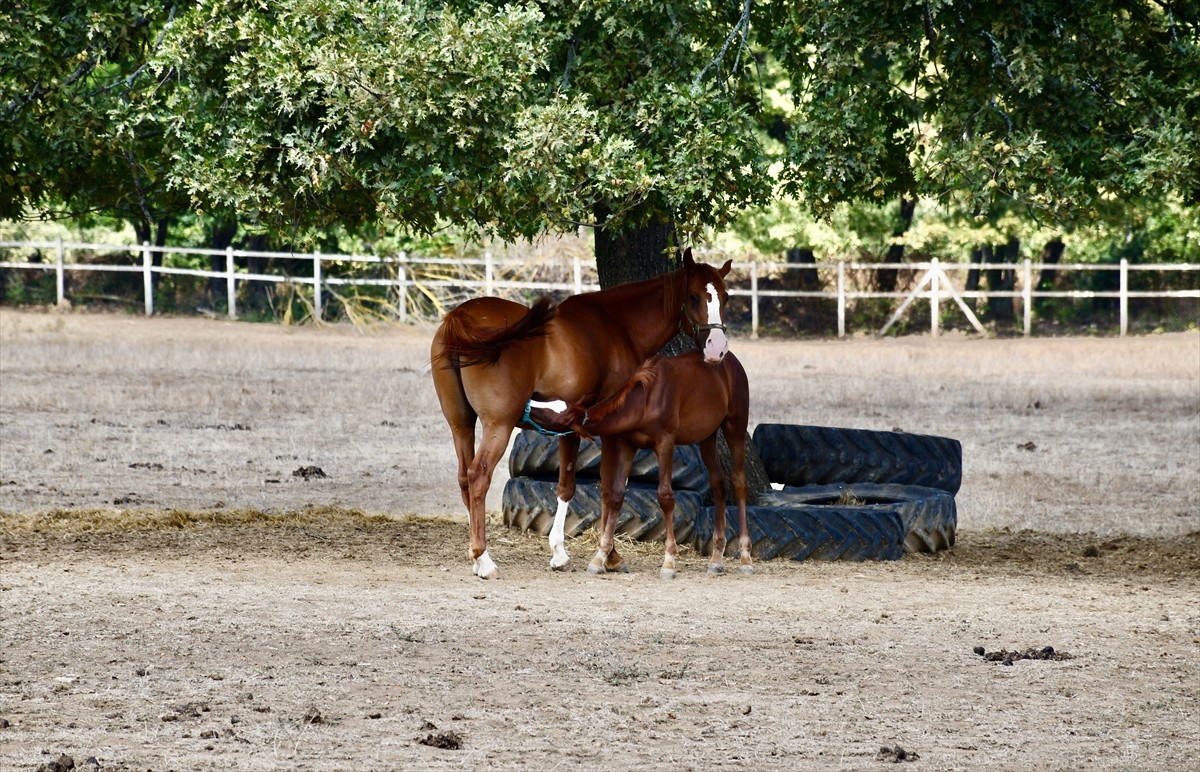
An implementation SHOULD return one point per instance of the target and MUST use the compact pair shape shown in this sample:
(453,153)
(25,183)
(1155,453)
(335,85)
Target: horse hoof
(667,574)
(560,562)
(595,570)
(747,570)
(715,569)
(485,567)
(621,569)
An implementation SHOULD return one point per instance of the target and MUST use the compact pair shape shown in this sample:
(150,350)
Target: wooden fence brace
(577,274)
(148,278)
(230,284)
(60,279)
(935,274)
(489,279)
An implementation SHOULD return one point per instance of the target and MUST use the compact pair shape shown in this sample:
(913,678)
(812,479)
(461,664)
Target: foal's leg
(568,454)
(716,480)
(616,459)
(479,479)
(665,450)
(737,456)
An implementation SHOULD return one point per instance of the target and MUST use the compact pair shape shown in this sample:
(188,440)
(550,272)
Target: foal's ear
(724,270)
(688,262)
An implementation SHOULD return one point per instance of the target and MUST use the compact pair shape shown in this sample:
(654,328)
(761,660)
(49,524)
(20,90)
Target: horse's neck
(646,312)
(620,413)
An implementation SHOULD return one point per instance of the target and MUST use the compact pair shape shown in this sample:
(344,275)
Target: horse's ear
(688,262)
(724,270)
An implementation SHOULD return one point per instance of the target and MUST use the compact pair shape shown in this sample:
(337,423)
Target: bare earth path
(172,597)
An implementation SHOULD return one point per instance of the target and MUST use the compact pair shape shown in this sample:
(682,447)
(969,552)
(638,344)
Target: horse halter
(697,329)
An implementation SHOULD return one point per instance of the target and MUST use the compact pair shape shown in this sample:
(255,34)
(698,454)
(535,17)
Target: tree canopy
(526,118)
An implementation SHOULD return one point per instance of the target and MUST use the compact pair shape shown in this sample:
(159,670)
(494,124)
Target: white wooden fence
(934,284)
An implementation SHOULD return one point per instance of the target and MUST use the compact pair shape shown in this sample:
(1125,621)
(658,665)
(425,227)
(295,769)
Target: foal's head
(703,315)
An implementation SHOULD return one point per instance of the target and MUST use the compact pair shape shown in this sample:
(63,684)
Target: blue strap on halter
(527,420)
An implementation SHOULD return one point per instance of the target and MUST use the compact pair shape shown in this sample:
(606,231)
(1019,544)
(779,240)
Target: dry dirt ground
(172,596)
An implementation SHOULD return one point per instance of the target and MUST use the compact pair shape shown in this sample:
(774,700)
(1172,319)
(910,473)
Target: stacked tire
(531,493)
(846,494)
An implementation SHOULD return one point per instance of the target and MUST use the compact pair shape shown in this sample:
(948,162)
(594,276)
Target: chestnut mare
(670,400)
(492,356)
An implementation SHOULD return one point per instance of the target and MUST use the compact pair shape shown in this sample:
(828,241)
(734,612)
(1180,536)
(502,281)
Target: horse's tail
(464,345)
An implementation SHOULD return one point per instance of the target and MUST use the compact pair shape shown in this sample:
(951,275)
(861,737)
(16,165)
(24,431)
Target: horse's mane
(612,407)
(464,345)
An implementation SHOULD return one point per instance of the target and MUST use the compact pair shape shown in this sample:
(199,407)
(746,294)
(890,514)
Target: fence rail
(933,283)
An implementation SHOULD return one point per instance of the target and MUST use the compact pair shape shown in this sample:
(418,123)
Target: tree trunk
(887,278)
(1003,280)
(219,237)
(642,253)
(1051,254)
(977,257)
(806,278)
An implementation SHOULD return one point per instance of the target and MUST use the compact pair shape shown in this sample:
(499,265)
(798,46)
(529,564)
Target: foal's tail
(465,345)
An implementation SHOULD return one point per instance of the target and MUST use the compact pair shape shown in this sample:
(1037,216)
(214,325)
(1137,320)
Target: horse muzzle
(716,346)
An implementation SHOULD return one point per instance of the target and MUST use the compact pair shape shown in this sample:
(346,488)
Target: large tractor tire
(929,515)
(536,455)
(530,505)
(796,455)
(811,532)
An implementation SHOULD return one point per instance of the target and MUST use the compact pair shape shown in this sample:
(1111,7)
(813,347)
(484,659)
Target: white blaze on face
(716,344)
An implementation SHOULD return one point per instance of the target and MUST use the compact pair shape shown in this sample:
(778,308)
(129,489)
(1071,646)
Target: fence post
(59,278)
(754,300)
(316,286)
(489,274)
(1124,296)
(577,266)
(230,283)
(402,274)
(841,298)
(147,278)
(935,289)
(1027,296)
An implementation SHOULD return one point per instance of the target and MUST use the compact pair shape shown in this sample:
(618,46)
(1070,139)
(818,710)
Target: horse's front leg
(568,454)
(716,481)
(616,459)
(479,480)
(665,450)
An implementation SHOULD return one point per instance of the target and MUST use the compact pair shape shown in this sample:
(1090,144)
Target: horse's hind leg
(568,454)
(616,459)
(479,479)
(447,382)
(737,456)
(716,481)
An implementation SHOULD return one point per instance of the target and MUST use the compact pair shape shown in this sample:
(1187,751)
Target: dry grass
(1087,435)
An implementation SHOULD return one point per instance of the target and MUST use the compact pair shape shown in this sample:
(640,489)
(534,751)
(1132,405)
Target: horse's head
(703,315)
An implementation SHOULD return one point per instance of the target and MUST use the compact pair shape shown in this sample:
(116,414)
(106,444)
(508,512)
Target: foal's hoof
(594,569)
(667,574)
(747,570)
(715,569)
(560,563)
